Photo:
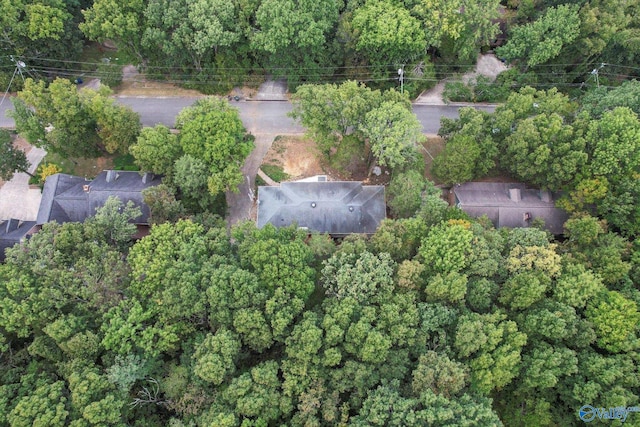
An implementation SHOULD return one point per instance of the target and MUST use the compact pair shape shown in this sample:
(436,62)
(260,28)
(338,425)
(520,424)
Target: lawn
(431,147)
(89,168)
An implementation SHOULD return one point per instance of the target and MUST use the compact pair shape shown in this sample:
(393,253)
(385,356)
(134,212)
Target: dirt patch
(136,84)
(297,155)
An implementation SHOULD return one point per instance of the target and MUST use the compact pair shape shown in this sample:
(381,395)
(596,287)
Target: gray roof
(510,204)
(335,207)
(13,231)
(68,198)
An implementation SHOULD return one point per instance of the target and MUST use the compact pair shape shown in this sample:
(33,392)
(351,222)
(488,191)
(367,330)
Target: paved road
(269,117)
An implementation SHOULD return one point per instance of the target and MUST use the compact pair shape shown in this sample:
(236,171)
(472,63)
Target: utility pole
(595,73)
(401,74)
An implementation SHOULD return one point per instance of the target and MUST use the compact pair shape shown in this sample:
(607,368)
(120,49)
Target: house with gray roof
(509,204)
(338,208)
(14,231)
(68,198)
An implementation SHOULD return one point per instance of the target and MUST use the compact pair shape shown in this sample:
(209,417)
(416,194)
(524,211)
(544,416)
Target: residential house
(68,198)
(509,204)
(338,208)
(14,231)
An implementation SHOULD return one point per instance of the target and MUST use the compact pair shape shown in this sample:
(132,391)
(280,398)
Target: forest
(213,45)
(436,319)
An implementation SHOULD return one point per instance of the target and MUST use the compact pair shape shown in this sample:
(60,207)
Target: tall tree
(12,159)
(393,131)
(387,34)
(212,132)
(117,20)
(156,150)
(294,37)
(538,42)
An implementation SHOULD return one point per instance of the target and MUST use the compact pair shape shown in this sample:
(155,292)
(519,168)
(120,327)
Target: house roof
(510,204)
(12,231)
(68,198)
(336,207)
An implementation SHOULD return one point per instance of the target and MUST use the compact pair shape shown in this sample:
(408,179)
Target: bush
(350,156)
(110,74)
(486,90)
(457,92)
(275,172)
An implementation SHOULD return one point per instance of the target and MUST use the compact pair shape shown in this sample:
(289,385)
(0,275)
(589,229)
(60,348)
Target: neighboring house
(68,198)
(336,207)
(509,204)
(14,231)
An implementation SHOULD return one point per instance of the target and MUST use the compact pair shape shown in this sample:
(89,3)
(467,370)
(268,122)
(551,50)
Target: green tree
(215,356)
(406,191)
(330,112)
(544,151)
(446,248)
(189,32)
(190,176)
(387,34)
(117,20)
(613,144)
(117,126)
(294,37)
(156,150)
(46,405)
(393,132)
(543,39)
(211,131)
(71,130)
(492,347)
(74,123)
(12,159)
(457,162)
(616,321)
(364,277)
(163,205)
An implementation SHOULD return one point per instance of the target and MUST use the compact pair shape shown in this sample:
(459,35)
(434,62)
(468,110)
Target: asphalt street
(258,116)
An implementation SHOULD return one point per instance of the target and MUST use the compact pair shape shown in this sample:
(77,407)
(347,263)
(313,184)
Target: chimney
(514,194)
(147,177)
(86,188)
(111,176)
(545,196)
(12,224)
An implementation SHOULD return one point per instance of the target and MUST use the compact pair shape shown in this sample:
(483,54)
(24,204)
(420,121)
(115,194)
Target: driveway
(17,200)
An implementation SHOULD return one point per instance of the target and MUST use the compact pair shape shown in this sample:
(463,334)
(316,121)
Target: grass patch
(93,53)
(125,162)
(87,168)
(432,146)
(350,157)
(275,172)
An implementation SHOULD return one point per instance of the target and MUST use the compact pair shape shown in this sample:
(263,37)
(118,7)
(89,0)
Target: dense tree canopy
(445,320)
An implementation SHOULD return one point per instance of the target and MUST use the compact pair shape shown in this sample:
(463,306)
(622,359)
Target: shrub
(457,92)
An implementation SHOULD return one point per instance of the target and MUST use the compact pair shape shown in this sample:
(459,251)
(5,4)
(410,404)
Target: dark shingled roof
(67,198)
(337,208)
(12,231)
(494,199)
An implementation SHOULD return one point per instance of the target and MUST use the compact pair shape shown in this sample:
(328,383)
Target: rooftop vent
(111,176)
(12,224)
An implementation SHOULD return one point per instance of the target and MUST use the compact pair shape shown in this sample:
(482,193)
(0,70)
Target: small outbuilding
(338,208)
(510,204)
